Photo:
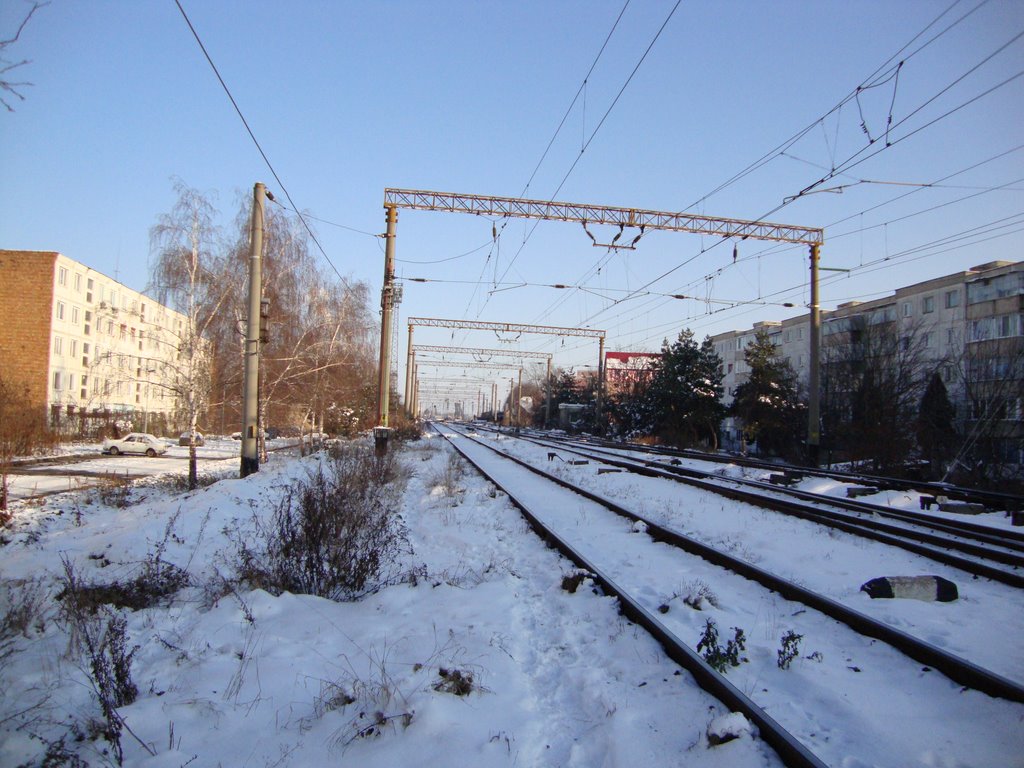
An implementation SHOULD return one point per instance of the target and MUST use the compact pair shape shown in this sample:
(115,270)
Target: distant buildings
(624,370)
(967,326)
(82,345)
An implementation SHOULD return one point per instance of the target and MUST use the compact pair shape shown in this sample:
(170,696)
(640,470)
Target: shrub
(115,491)
(103,638)
(334,534)
(790,649)
(721,658)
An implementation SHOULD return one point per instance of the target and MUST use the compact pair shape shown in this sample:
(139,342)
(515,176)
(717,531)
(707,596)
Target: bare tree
(188,273)
(22,432)
(991,377)
(319,353)
(8,87)
(873,377)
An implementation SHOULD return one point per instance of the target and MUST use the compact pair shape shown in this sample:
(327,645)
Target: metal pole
(600,382)
(547,400)
(519,401)
(494,401)
(415,390)
(386,306)
(382,431)
(250,392)
(410,355)
(814,379)
(511,392)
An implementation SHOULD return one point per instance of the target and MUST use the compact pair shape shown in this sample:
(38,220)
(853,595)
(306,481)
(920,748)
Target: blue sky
(349,98)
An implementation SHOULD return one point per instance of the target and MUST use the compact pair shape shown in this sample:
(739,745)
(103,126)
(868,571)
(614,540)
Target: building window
(58,345)
(950,336)
(74,315)
(60,310)
(56,379)
(952,299)
(62,275)
(929,339)
(1004,326)
(78,282)
(73,351)
(786,336)
(928,305)
(908,309)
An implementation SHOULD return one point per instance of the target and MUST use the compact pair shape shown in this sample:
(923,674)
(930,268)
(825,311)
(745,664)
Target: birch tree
(187,274)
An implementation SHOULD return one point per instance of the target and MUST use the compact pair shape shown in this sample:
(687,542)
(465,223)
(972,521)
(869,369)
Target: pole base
(381,437)
(249,466)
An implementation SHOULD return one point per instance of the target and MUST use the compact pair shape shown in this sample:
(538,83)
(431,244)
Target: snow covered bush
(721,658)
(790,649)
(336,534)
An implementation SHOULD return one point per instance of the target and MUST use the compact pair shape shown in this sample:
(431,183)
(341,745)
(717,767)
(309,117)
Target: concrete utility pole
(814,379)
(250,396)
(410,356)
(382,432)
(519,400)
(547,400)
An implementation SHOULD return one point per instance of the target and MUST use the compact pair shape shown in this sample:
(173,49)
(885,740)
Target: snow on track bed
(860,702)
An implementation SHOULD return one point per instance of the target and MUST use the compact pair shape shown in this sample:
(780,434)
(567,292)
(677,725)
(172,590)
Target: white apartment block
(108,346)
(951,318)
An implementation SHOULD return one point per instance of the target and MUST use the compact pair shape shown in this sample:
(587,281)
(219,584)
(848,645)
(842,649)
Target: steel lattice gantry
(521,208)
(501,327)
(477,353)
(517,208)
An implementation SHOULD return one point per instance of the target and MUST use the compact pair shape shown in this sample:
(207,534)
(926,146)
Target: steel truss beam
(511,207)
(469,364)
(484,325)
(476,351)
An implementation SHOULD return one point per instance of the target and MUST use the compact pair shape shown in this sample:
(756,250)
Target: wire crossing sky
(894,127)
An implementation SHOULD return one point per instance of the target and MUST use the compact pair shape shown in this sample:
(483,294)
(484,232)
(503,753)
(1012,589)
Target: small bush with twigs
(336,534)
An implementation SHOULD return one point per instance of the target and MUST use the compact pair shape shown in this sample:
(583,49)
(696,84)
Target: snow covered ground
(483,659)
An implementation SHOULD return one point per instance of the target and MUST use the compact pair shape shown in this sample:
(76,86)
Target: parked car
(183,440)
(140,443)
(238,435)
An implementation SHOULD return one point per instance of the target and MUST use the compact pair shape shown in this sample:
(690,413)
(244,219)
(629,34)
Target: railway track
(994,500)
(530,488)
(977,549)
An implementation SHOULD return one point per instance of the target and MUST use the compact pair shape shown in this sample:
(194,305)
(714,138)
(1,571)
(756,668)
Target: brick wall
(26,316)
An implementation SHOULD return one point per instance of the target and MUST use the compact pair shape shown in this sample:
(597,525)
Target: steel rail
(999,537)
(994,499)
(954,667)
(859,526)
(792,752)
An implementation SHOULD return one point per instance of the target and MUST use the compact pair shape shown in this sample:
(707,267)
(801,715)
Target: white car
(139,443)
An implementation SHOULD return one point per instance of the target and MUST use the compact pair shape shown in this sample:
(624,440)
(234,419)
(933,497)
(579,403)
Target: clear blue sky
(349,98)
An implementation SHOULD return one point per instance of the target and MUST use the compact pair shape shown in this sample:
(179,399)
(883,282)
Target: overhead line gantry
(477,353)
(643,219)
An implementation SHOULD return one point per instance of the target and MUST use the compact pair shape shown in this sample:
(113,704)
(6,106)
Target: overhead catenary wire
(849,162)
(255,141)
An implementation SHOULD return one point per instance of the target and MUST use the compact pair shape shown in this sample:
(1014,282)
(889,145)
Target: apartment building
(82,345)
(968,325)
